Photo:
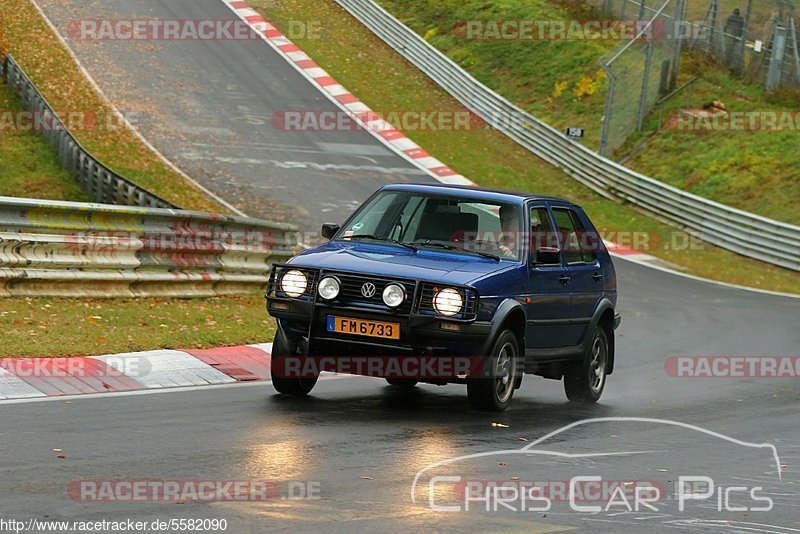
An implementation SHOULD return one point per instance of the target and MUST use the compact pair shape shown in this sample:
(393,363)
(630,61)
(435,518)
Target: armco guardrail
(72,249)
(736,230)
(102,183)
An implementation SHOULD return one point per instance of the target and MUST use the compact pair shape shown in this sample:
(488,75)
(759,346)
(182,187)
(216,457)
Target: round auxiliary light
(394,295)
(328,288)
(294,283)
(448,302)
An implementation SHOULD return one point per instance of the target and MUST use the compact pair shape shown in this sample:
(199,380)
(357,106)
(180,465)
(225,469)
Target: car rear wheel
(584,381)
(494,392)
(283,350)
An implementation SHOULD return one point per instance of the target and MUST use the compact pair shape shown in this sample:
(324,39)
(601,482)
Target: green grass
(28,166)
(379,77)
(753,171)
(46,327)
(38,50)
(526,72)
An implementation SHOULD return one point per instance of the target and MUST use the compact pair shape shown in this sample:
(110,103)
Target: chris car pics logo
(691,481)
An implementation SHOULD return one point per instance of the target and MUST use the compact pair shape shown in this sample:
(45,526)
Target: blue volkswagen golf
(446,284)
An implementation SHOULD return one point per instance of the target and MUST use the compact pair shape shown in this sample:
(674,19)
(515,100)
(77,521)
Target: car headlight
(329,288)
(294,283)
(448,302)
(394,295)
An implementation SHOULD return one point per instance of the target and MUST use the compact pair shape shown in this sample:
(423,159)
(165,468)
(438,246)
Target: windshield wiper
(378,238)
(427,243)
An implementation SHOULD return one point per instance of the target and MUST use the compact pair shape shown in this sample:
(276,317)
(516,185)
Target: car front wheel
(494,392)
(584,381)
(283,351)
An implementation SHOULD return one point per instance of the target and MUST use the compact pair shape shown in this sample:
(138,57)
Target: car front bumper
(306,322)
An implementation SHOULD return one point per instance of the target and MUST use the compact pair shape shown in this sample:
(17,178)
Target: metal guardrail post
(680,15)
(742,45)
(795,51)
(648,62)
(775,69)
(612,81)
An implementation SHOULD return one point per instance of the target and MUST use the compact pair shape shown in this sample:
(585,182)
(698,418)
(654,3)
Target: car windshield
(421,220)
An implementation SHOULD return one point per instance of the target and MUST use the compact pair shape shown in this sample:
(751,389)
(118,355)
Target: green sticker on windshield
(358,226)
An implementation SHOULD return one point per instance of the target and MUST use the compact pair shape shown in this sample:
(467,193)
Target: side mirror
(329,230)
(547,256)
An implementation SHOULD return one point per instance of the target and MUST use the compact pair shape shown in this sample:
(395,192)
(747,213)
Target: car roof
(473,192)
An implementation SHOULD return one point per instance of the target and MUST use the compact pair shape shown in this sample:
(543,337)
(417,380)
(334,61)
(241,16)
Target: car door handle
(597,277)
(563,279)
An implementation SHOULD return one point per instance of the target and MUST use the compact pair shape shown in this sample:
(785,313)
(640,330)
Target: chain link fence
(779,64)
(754,38)
(642,70)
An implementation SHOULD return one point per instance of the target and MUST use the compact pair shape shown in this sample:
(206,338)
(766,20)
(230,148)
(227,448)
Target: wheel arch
(510,314)
(604,318)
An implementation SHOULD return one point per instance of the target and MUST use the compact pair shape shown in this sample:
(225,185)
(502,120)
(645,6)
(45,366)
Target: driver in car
(508,243)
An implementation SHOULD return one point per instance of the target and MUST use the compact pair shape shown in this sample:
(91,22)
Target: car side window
(569,235)
(542,234)
(577,243)
(588,240)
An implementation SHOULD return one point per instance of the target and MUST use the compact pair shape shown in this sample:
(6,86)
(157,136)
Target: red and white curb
(344,99)
(629,254)
(29,378)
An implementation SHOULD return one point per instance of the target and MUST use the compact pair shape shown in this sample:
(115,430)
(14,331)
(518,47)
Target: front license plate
(361,327)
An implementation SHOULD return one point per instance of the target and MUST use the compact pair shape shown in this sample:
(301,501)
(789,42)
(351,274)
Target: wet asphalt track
(208,106)
(361,441)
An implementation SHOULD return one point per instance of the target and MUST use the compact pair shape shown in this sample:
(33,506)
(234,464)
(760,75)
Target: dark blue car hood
(391,261)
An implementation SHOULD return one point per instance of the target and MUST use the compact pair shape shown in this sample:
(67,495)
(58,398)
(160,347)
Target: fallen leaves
(81,327)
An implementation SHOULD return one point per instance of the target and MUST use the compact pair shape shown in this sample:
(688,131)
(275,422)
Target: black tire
(283,348)
(495,391)
(585,381)
(402,382)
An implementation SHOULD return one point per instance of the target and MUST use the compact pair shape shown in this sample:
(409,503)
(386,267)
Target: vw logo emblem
(368,290)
